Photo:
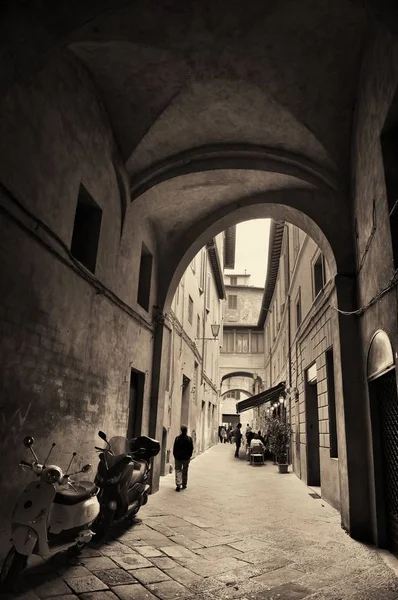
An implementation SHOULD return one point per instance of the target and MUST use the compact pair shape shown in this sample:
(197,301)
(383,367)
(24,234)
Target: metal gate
(385,389)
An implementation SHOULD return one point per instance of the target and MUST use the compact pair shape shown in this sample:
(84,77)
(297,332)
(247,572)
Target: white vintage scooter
(51,515)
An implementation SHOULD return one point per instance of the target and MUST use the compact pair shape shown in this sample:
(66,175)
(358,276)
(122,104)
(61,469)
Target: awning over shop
(269,395)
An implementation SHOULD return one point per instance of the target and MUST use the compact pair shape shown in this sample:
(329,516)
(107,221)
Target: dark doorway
(231,419)
(186,388)
(312,427)
(334,453)
(137,382)
(164,452)
(384,410)
(298,451)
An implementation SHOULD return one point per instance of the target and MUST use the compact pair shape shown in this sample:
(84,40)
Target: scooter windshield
(119,445)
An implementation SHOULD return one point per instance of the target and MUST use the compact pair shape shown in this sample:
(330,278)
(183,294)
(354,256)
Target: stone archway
(208,133)
(355,514)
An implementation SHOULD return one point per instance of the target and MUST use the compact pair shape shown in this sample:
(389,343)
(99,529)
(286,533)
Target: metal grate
(315,496)
(388,403)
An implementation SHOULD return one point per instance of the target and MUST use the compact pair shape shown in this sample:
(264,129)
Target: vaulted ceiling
(213,105)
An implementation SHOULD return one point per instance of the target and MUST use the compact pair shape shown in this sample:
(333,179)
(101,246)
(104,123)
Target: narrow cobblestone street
(238,531)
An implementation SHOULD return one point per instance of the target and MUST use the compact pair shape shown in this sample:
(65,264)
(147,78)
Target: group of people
(225,434)
(252,438)
(183,448)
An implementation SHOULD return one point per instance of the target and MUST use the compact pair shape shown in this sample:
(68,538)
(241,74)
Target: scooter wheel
(76,550)
(13,564)
(102,525)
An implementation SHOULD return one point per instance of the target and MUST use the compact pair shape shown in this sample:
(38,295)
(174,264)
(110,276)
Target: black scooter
(123,478)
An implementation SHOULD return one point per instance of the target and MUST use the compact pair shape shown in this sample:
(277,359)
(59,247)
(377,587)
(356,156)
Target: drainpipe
(289,326)
(204,316)
(289,335)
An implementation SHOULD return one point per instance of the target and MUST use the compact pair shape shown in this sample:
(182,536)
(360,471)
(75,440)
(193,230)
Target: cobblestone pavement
(237,531)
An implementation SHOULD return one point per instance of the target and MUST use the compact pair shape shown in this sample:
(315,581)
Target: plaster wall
(69,338)
(192,391)
(248,305)
(376,89)
(309,341)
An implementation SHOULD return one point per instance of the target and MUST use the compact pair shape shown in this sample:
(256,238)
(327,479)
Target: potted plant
(280,434)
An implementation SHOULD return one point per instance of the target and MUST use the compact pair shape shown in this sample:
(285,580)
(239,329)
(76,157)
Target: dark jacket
(238,435)
(183,447)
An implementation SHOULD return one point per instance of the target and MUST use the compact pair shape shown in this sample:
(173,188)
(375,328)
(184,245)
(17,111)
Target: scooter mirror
(28,441)
(102,435)
(86,468)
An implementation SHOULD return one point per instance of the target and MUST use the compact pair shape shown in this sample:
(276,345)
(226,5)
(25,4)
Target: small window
(144,282)
(190,310)
(198,326)
(228,342)
(232,301)
(332,404)
(193,264)
(257,343)
(296,243)
(202,270)
(235,394)
(233,280)
(86,230)
(242,343)
(208,292)
(298,309)
(318,273)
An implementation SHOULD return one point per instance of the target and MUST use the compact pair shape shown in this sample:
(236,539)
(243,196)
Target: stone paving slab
(287,591)
(214,552)
(67,597)
(150,575)
(114,577)
(99,596)
(177,551)
(164,562)
(182,540)
(133,592)
(98,563)
(185,577)
(148,551)
(80,585)
(213,542)
(278,577)
(132,561)
(170,590)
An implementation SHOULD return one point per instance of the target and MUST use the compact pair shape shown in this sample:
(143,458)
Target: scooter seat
(138,470)
(85,489)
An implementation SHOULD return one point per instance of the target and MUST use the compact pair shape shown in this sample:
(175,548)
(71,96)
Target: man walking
(182,452)
(238,439)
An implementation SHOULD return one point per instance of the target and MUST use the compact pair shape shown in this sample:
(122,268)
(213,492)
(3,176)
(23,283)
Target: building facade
(193,378)
(300,345)
(242,352)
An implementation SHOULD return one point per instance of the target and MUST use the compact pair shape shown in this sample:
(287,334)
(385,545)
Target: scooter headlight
(115,479)
(52,475)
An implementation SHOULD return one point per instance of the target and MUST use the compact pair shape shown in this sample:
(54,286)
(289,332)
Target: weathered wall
(377,86)
(67,345)
(248,305)
(197,402)
(309,341)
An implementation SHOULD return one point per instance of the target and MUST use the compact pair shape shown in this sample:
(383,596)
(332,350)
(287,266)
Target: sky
(252,250)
